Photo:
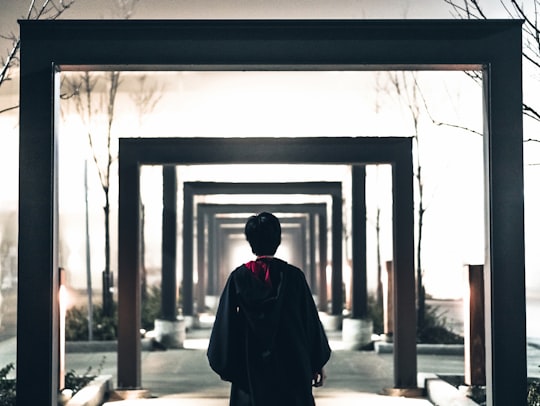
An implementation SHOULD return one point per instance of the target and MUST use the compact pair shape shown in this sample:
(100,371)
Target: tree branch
(9,109)
(531,112)
(10,60)
(51,10)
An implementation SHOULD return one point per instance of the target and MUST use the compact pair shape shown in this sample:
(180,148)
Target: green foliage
(7,386)
(151,308)
(76,324)
(104,327)
(435,329)
(73,381)
(533,393)
(375,313)
(77,382)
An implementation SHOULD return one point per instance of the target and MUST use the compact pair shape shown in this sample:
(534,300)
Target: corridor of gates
(306,120)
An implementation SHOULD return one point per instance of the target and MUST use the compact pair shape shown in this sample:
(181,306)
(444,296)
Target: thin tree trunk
(88,258)
(107,294)
(379,299)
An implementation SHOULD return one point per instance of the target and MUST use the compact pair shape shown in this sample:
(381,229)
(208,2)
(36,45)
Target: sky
(174,9)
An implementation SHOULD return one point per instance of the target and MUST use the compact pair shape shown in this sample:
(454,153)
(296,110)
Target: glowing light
(62,304)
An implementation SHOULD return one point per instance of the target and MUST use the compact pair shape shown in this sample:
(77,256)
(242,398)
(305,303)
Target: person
(267,338)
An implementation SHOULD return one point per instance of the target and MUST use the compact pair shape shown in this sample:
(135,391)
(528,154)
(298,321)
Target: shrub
(73,381)
(104,327)
(151,308)
(375,313)
(435,329)
(533,393)
(7,387)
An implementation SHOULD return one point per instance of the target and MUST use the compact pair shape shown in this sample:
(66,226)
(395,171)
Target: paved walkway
(183,377)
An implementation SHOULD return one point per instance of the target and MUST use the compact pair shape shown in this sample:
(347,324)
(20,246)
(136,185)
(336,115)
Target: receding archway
(205,210)
(333,189)
(494,47)
(135,152)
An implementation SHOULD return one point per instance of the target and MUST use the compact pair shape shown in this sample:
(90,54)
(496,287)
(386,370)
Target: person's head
(263,233)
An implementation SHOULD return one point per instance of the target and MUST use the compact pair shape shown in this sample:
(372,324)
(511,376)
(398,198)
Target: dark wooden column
(359,271)
(213,262)
(129,281)
(37,295)
(475,337)
(405,364)
(168,245)
(187,259)
(337,256)
(323,260)
(506,372)
(312,243)
(202,265)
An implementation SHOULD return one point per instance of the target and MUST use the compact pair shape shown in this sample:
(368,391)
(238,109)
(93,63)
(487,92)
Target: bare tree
(406,87)
(94,95)
(83,92)
(48,10)
(146,97)
(83,96)
(472,9)
(379,294)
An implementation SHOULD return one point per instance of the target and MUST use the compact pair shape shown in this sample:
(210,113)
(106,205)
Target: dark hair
(263,233)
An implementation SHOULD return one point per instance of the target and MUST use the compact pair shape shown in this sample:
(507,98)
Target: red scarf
(261,270)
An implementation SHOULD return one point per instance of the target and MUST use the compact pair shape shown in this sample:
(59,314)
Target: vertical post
(304,248)
(389,302)
(129,281)
(201,264)
(168,245)
(405,362)
(337,265)
(475,349)
(323,259)
(187,259)
(359,278)
(506,365)
(62,306)
(312,260)
(37,288)
(213,263)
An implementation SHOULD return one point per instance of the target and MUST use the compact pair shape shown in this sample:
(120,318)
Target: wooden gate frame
(492,46)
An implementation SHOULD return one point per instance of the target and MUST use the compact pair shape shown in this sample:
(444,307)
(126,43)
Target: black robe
(268,341)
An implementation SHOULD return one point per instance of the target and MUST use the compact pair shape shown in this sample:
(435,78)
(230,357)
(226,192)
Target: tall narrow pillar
(405,361)
(475,338)
(187,259)
(168,245)
(201,264)
(129,282)
(358,329)
(359,271)
(37,290)
(323,259)
(312,240)
(337,255)
(213,248)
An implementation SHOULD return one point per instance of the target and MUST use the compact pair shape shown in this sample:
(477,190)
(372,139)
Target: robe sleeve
(225,353)
(318,342)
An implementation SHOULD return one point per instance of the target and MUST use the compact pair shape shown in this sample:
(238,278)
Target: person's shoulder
(239,271)
(291,269)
